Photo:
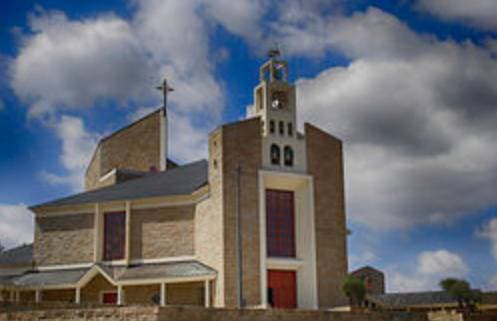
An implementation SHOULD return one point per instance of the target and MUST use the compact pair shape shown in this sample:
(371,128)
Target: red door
(109,298)
(282,289)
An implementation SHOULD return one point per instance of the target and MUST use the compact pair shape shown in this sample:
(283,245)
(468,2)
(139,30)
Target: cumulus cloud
(66,64)
(478,13)
(77,148)
(489,231)
(17,225)
(431,267)
(416,115)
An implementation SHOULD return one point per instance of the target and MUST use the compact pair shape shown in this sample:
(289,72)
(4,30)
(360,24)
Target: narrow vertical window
(282,128)
(288,156)
(114,235)
(271,126)
(289,129)
(280,223)
(275,154)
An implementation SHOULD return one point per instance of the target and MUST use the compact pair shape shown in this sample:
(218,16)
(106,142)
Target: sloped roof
(399,300)
(166,270)
(47,278)
(366,269)
(70,278)
(21,255)
(182,180)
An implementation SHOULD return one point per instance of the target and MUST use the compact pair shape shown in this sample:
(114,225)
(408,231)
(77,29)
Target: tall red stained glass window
(280,223)
(114,235)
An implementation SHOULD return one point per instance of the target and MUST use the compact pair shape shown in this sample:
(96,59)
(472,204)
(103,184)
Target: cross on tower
(165,89)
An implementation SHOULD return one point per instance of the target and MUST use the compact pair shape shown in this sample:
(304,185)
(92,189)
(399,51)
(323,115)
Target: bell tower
(275,103)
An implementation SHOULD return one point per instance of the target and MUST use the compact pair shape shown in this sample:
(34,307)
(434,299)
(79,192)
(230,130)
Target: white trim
(207,293)
(172,203)
(163,294)
(163,140)
(37,296)
(169,259)
(262,239)
(77,296)
(293,175)
(313,244)
(120,295)
(107,175)
(64,267)
(284,263)
(95,270)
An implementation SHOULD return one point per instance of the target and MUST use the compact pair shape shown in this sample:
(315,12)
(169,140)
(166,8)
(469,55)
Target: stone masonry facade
(162,232)
(329,199)
(63,239)
(135,147)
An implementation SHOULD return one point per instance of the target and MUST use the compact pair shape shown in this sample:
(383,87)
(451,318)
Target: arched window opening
(288,156)
(275,154)
(281,126)
(271,126)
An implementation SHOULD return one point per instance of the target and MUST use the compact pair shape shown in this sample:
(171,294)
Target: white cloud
(489,231)
(415,114)
(68,64)
(17,225)
(431,267)
(441,262)
(77,147)
(478,13)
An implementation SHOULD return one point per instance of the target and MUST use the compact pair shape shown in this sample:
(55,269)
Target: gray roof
(21,255)
(399,300)
(71,277)
(166,270)
(182,180)
(47,278)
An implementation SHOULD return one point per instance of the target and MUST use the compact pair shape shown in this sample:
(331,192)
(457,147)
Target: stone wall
(136,146)
(64,239)
(191,293)
(162,232)
(209,220)
(58,295)
(374,280)
(199,314)
(143,294)
(241,146)
(325,164)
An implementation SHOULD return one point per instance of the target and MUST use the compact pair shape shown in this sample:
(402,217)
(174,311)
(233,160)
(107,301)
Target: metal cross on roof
(165,89)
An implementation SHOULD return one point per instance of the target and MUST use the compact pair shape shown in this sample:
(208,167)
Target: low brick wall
(149,313)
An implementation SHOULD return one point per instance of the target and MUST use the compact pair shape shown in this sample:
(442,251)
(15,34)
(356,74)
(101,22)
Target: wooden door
(282,289)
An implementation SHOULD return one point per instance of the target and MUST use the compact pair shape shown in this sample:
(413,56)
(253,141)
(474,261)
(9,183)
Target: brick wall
(58,295)
(141,294)
(66,239)
(134,147)
(162,232)
(209,220)
(325,164)
(191,293)
(241,146)
(373,280)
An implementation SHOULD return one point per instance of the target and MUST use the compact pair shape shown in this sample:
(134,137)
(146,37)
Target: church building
(260,223)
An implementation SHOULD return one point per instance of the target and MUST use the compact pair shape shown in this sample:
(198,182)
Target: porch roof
(166,270)
(49,278)
(72,278)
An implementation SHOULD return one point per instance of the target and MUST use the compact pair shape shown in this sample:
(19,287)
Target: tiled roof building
(259,223)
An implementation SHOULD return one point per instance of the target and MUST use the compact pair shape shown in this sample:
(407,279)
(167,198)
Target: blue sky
(408,85)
